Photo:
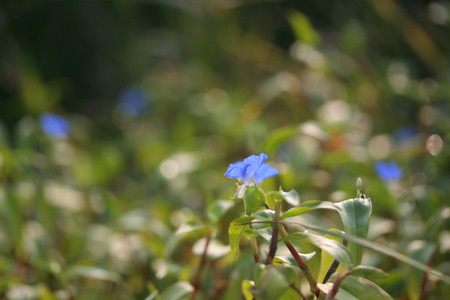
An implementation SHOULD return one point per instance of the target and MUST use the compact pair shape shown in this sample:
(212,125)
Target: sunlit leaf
(187,230)
(246,287)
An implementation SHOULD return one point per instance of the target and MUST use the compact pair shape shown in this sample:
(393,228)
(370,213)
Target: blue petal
(54,125)
(253,162)
(264,172)
(237,170)
(388,171)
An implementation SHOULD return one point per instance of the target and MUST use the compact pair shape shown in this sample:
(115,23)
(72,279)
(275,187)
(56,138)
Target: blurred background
(118,120)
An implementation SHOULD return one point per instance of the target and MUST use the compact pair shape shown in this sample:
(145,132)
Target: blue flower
(54,125)
(388,171)
(251,170)
(132,101)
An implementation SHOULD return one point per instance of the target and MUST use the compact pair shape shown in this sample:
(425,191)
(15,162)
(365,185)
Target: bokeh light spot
(434,144)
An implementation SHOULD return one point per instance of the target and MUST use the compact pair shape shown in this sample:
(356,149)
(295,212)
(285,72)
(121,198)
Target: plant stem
(198,273)
(274,239)
(337,283)
(301,263)
(255,249)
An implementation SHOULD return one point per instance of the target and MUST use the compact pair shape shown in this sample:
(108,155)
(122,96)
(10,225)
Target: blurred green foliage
(162,95)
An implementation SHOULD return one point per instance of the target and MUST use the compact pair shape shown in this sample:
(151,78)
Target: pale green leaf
(369,272)
(254,200)
(355,215)
(335,249)
(180,290)
(307,207)
(217,209)
(235,233)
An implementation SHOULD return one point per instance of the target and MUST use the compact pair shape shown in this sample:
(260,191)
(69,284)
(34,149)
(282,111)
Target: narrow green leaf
(187,230)
(355,215)
(291,197)
(369,272)
(335,249)
(254,200)
(177,291)
(235,233)
(307,207)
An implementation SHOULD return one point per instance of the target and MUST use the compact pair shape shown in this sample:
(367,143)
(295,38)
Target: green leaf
(326,260)
(358,288)
(307,207)
(273,283)
(246,287)
(355,215)
(291,197)
(369,272)
(254,200)
(281,260)
(217,209)
(335,249)
(92,273)
(272,197)
(303,29)
(177,291)
(277,137)
(384,250)
(419,251)
(188,230)
(235,233)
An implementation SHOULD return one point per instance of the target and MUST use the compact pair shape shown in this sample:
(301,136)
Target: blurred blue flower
(388,171)
(251,170)
(132,101)
(54,126)
(406,133)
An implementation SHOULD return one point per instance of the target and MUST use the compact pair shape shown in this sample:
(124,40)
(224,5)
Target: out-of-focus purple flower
(132,101)
(406,133)
(388,171)
(54,126)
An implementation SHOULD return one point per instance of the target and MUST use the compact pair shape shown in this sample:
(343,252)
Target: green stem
(274,239)
(301,263)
